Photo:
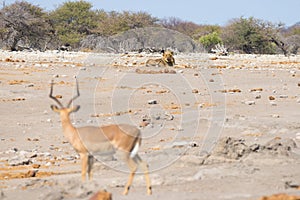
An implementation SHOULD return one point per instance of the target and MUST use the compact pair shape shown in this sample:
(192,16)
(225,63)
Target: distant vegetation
(24,25)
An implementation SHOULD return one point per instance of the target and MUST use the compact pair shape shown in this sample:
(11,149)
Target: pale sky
(201,12)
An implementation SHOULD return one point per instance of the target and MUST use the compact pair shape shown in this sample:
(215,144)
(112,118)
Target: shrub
(22,23)
(250,36)
(210,40)
(73,21)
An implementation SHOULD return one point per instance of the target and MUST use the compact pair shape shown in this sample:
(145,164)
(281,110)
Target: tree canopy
(25,24)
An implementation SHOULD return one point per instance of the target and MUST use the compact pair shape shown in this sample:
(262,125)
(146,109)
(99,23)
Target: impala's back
(106,139)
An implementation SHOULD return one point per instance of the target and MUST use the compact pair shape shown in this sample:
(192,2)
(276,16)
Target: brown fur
(88,140)
(166,60)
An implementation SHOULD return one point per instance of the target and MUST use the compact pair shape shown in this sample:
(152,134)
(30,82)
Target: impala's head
(60,108)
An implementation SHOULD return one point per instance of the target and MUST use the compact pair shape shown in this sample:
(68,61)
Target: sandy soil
(220,127)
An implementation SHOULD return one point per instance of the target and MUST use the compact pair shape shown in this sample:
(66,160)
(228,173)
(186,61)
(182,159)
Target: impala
(89,140)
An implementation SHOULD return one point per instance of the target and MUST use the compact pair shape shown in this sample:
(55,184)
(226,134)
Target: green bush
(250,35)
(210,40)
(73,21)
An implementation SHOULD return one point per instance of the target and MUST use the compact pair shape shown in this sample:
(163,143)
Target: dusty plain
(218,127)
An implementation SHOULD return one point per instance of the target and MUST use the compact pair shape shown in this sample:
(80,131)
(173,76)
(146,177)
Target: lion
(166,60)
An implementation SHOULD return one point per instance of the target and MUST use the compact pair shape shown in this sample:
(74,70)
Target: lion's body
(166,60)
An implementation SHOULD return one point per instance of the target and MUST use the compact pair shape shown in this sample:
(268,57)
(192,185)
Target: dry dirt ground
(217,127)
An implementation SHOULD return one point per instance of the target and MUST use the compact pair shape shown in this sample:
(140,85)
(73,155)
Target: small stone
(31,173)
(36,166)
(275,116)
(144,123)
(16,161)
(152,102)
(258,96)
(283,96)
(250,103)
(273,103)
(271,98)
(89,121)
(30,85)
(194,144)
(298,136)
(179,144)
(49,120)
(195,91)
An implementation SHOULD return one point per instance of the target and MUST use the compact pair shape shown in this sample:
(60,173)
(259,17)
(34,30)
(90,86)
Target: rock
(258,96)
(2,195)
(31,173)
(298,136)
(280,146)
(229,148)
(102,195)
(17,160)
(283,96)
(179,144)
(36,166)
(250,103)
(152,102)
(195,91)
(141,39)
(275,116)
(271,98)
(30,85)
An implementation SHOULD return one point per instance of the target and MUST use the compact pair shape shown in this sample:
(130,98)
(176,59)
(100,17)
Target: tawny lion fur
(166,60)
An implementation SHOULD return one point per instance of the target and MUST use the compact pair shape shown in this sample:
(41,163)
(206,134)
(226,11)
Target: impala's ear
(55,108)
(74,109)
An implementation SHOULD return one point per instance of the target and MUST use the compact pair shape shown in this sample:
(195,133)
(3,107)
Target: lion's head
(168,57)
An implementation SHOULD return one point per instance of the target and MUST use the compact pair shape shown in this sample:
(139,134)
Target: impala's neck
(68,129)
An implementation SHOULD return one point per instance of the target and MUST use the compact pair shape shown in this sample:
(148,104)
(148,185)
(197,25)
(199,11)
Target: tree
(111,23)
(210,40)
(22,23)
(185,27)
(250,36)
(73,21)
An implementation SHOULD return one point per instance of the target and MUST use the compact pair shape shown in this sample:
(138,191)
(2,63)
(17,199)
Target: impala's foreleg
(90,163)
(84,165)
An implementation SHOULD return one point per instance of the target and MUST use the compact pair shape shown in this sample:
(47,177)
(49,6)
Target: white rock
(283,96)
(298,136)
(151,102)
(275,116)
(250,103)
